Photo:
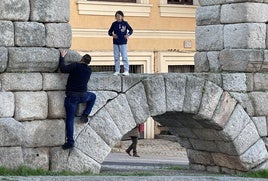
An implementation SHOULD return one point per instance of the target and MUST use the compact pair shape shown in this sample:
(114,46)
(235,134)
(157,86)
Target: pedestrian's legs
(134,143)
(116,57)
(90,99)
(123,50)
(70,104)
(130,148)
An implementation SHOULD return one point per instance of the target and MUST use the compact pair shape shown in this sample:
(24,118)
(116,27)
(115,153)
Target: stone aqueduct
(219,117)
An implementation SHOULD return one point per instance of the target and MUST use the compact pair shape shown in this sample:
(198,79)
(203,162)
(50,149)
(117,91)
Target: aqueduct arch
(219,117)
(216,130)
(218,133)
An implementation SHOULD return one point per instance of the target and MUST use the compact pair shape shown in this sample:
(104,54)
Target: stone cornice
(180,11)
(108,8)
(137,34)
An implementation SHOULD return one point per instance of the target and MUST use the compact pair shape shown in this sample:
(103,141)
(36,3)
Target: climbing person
(134,135)
(76,92)
(120,30)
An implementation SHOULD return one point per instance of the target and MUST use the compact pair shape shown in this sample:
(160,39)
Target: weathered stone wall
(31,31)
(222,126)
(231,35)
(231,39)
(221,118)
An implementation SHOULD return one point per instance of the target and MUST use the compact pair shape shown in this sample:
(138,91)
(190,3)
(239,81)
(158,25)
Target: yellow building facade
(163,39)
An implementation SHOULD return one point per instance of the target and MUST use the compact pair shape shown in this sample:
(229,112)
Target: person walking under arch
(76,92)
(120,30)
(134,135)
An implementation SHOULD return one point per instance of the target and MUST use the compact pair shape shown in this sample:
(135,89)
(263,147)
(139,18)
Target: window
(181,68)
(110,68)
(178,8)
(125,1)
(187,2)
(109,7)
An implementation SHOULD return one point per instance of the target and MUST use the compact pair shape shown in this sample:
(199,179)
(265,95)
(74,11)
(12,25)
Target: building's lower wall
(99,40)
(152,61)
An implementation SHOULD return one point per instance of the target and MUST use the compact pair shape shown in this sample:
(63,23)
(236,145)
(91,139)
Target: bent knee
(92,95)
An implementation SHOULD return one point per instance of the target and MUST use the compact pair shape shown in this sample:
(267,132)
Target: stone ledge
(32,59)
(50,11)
(18,10)
(7,105)
(31,105)
(244,12)
(25,31)
(21,81)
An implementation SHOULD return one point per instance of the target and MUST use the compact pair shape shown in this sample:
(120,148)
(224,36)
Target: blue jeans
(70,103)
(120,49)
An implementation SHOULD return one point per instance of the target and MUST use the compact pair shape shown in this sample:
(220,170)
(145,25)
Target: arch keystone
(175,91)
(156,94)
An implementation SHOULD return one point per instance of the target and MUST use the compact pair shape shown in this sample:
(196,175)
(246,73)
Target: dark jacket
(79,75)
(134,132)
(120,29)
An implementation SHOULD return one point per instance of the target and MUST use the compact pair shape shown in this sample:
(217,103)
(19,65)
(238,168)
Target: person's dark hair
(86,58)
(120,13)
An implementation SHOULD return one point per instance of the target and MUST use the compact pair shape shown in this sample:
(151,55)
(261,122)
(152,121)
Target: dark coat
(134,132)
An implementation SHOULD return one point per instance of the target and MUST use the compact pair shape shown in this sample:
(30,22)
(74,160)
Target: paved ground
(157,154)
(157,147)
(158,157)
(160,160)
(129,178)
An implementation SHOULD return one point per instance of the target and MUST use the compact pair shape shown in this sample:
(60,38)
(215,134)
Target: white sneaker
(126,73)
(116,73)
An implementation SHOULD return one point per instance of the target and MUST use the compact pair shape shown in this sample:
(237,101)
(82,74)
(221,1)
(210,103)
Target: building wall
(164,34)
(153,31)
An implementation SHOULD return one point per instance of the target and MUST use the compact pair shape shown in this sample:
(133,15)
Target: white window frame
(174,58)
(177,10)
(140,8)
(145,58)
